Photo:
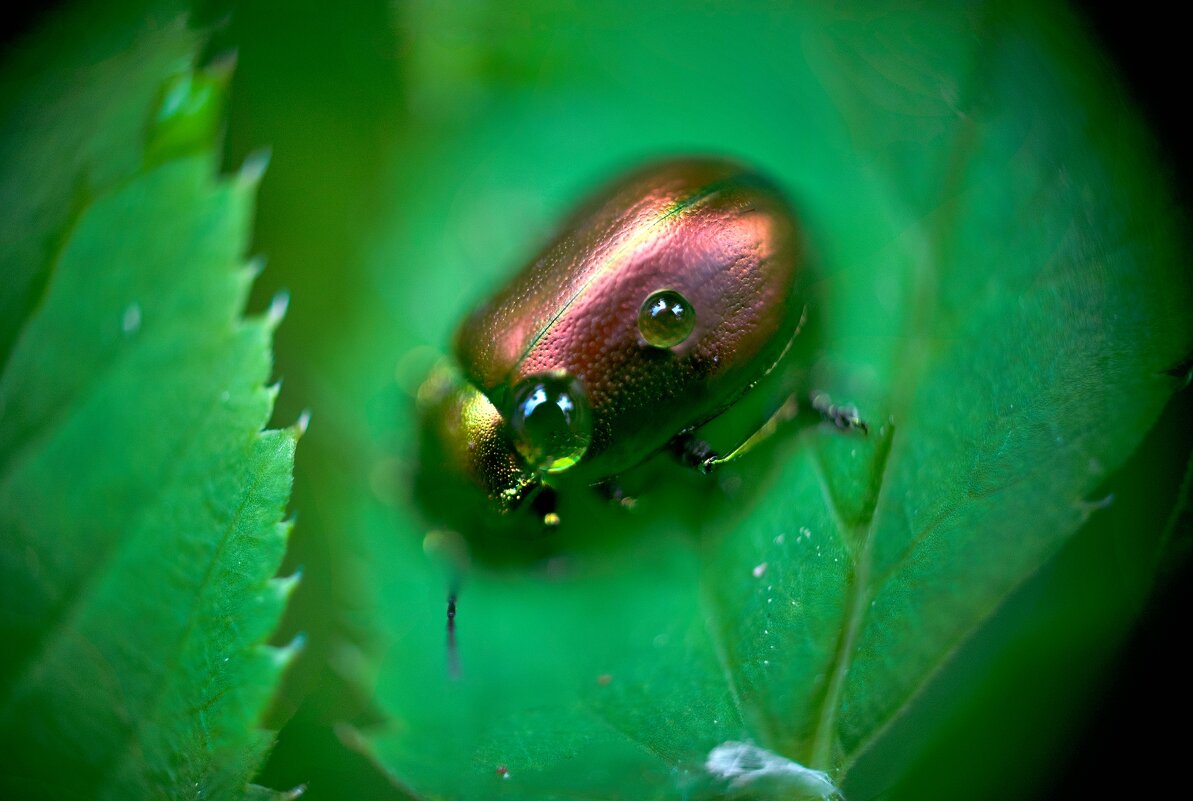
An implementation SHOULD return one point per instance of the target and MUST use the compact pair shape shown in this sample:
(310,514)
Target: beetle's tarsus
(695,453)
(544,504)
(611,490)
(845,417)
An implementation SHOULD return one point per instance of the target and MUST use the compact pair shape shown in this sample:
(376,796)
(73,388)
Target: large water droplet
(666,318)
(551,421)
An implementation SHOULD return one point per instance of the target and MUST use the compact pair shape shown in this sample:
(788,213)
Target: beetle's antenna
(450,546)
(453,653)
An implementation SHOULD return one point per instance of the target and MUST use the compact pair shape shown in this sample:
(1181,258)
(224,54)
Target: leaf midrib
(183,638)
(927,279)
(860,596)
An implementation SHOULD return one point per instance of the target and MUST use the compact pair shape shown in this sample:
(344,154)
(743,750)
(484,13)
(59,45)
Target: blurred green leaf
(75,100)
(140,501)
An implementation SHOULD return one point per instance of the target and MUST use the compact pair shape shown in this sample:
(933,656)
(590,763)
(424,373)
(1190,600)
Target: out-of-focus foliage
(75,101)
(140,502)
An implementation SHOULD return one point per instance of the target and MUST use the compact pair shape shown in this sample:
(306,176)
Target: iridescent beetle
(660,302)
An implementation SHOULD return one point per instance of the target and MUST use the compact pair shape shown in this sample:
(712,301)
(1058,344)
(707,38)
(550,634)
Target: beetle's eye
(666,318)
(551,421)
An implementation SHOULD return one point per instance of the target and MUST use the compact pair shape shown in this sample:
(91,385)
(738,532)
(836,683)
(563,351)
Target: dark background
(1122,748)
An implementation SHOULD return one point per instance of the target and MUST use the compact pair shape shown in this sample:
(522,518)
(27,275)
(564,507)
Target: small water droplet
(759,570)
(666,318)
(551,421)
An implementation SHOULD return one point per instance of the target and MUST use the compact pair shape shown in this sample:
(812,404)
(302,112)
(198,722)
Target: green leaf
(75,100)
(999,286)
(140,505)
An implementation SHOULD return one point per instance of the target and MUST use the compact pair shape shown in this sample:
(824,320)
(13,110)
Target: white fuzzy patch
(743,764)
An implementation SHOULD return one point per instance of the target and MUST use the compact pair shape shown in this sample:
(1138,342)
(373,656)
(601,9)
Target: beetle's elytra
(660,302)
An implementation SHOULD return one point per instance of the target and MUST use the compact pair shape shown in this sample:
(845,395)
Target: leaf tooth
(254,167)
(222,65)
(284,529)
(277,309)
(300,425)
(292,794)
(283,655)
(255,266)
(283,586)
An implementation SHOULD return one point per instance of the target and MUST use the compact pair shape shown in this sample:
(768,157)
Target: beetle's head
(467,442)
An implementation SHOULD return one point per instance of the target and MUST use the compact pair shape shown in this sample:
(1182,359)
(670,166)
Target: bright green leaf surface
(141,505)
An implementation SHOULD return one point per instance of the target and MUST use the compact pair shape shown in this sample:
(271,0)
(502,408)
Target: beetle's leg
(691,451)
(544,503)
(611,490)
(845,417)
(699,454)
(695,452)
(787,411)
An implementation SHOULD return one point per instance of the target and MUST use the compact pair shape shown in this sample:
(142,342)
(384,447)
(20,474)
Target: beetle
(659,303)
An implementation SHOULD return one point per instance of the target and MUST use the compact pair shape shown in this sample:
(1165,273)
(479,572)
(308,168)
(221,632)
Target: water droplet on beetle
(551,421)
(666,318)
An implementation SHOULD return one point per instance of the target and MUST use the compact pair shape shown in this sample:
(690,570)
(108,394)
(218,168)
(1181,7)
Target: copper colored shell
(716,232)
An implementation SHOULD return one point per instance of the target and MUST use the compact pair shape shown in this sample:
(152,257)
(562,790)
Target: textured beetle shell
(717,233)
